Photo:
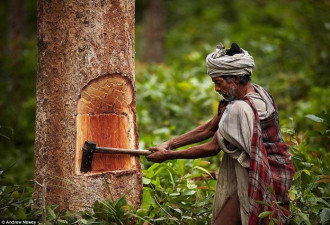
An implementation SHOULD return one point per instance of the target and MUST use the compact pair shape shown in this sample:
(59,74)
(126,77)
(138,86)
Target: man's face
(228,90)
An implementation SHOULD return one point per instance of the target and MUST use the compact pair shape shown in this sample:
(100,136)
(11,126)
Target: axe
(90,148)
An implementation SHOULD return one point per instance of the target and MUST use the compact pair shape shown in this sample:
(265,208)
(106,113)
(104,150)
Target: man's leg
(230,213)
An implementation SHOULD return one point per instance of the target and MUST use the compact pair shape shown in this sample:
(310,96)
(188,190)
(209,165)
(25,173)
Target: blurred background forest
(290,42)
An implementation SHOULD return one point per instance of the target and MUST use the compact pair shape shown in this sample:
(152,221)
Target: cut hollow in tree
(103,116)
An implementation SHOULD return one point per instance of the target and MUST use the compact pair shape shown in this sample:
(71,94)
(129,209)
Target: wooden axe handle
(121,151)
(90,148)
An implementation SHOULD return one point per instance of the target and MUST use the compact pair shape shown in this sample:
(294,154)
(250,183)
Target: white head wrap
(219,64)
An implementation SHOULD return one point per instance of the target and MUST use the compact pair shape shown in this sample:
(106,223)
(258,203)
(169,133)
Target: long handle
(121,151)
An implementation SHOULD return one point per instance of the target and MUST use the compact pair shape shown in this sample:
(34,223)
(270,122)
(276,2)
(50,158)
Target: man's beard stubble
(230,95)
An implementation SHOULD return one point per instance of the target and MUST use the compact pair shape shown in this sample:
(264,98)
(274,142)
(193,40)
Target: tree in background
(154,23)
(17,96)
(16,22)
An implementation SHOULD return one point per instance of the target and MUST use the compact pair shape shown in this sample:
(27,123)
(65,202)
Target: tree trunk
(16,21)
(154,32)
(85,91)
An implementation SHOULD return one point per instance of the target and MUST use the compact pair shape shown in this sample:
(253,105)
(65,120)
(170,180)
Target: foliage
(178,192)
(172,100)
(270,30)
(15,201)
(310,191)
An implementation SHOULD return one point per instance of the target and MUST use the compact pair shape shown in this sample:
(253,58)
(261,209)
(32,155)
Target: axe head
(87,156)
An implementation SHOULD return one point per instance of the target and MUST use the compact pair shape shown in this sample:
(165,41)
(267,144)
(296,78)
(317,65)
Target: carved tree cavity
(104,116)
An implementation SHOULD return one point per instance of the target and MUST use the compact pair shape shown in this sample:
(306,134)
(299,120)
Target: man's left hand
(158,154)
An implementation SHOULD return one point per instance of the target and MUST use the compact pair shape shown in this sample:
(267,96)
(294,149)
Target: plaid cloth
(271,170)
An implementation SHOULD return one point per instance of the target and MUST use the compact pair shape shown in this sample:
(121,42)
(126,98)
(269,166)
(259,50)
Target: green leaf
(159,170)
(262,203)
(150,171)
(160,219)
(21,214)
(51,212)
(121,202)
(15,194)
(187,217)
(203,163)
(189,192)
(176,209)
(191,184)
(146,180)
(274,220)
(305,218)
(196,162)
(172,180)
(280,207)
(146,203)
(292,194)
(296,175)
(321,200)
(97,206)
(325,216)
(84,221)
(174,194)
(157,183)
(180,167)
(63,221)
(307,172)
(141,212)
(265,214)
(270,189)
(202,169)
(315,118)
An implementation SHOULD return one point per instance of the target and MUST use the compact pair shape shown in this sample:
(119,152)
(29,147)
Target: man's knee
(230,213)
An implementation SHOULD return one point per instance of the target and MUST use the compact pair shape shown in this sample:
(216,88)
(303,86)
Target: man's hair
(243,80)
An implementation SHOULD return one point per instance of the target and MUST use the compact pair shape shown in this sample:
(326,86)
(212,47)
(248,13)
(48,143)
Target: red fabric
(270,169)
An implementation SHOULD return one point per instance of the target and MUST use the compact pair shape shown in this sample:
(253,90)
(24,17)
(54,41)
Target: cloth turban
(233,61)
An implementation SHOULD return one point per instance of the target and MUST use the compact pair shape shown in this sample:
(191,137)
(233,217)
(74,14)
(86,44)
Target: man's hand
(158,155)
(165,145)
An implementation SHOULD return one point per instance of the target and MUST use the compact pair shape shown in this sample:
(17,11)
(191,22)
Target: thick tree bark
(85,91)
(154,32)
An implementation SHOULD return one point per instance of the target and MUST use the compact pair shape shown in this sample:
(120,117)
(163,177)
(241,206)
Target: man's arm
(198,134)
(208,149)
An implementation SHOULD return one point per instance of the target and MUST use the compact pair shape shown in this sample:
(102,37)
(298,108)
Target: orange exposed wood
(108,130)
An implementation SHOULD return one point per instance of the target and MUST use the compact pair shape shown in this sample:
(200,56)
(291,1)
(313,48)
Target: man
(256,166)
